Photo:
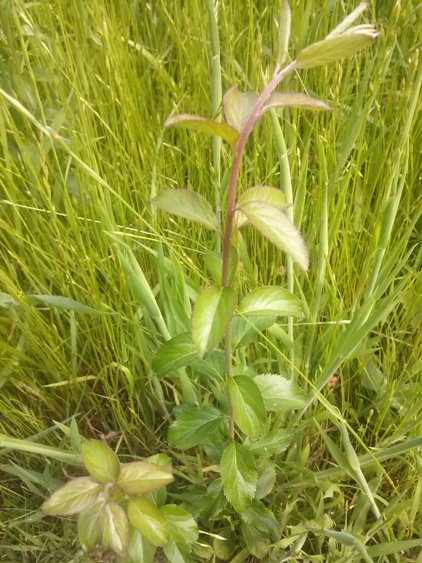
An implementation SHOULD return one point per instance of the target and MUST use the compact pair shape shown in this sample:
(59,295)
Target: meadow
(94,279)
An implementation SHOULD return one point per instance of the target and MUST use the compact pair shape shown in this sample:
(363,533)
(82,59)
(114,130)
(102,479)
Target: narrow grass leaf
(194,425)
(349,20)
(142,477)
(248,406)
(271,222)
(144,516)
(213,310)
(239,475)
(272,301)
(101,461)
(279,393)
(65,303)
(238,107)
(389,548)
(187,204)
(209,126)
(178,352)
(284,25)
(75,496)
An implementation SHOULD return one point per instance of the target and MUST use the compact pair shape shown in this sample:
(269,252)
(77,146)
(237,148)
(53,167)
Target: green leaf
(7,301)
(214,265)
(349,19)
(295,100)
(77,495)
(187,204)
(238,107)
(140,550)
(262,518)
(115,529)
(256,541)
(176,353)
(280,394)
(275,442)
(142,477)
(246,330)
(101,461)
(271,195)
(283,33)
(224,548)
(177,553)
(209,126)
(239,475)
(273,301)
(194,425)
(182,526)
(266,481)
(144,516)
(337,46)
(248,406)
(213,311)
(271,222)
(65,303)
(90,526)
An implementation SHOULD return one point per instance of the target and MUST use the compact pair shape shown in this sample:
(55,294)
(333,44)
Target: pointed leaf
(140,550)
(238,107)
(284,32)
(262,518)
(90,526)
(193,425)
(182,526)
(280,394)
(209,126)
(256,541)
(65,303)
(266,481)
(348,20)
(239,475)
(295,100)
(142,477)
(177,553)
(248,406)
(273,443)
(101,461)
(115,529)
(338,46)
(187,204)
(176,353)
(259,193)
(273,224)
(144,516)
(73,497)
(224,548)
(245,330)
(273,301)
(213,311)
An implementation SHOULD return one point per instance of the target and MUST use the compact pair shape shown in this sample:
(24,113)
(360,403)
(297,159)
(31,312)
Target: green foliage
(78,168)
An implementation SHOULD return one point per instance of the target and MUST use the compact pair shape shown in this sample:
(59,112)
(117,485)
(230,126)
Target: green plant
(122,507)
(249,404)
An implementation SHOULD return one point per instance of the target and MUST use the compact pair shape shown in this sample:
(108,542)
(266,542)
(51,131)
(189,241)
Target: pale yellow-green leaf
(73,497)
(101,461)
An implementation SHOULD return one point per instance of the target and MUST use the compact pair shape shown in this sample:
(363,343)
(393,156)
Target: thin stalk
(216,97)
(228,233)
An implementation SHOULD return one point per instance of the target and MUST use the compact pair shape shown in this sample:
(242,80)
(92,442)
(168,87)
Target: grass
(75,211)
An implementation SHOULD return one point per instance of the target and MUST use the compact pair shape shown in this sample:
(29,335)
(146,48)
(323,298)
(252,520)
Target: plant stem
(228,233)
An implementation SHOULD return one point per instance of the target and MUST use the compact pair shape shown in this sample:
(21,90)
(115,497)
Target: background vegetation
(104,76)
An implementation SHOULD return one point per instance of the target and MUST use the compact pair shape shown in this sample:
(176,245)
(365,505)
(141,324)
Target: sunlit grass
(105,76)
